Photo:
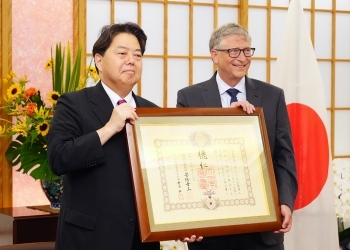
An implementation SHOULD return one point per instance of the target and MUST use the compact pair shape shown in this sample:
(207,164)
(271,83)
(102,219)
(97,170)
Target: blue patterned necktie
(233,93)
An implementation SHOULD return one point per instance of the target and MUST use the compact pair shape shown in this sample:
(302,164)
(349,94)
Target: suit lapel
(101,103)
(253,93)
(138,101)
(211,94)
(102,107)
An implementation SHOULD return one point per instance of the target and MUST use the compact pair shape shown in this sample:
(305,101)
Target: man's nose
(130,58)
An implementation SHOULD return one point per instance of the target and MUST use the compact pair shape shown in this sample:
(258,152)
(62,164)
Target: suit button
(131,222)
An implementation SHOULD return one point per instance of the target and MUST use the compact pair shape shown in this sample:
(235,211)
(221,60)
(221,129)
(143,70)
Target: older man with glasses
(229,87)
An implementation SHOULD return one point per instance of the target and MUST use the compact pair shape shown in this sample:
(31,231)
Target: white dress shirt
(115,98)
(225,97)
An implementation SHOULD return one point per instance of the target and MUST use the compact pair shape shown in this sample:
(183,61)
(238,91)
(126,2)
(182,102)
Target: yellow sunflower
(9,76)
(82,83)
(53,97)
(14,91)
(92,72)
(43,128)
(48,65)
(12,74)
(91,69)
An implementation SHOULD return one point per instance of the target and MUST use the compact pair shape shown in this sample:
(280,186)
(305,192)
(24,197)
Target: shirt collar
(223,86)
(115,97)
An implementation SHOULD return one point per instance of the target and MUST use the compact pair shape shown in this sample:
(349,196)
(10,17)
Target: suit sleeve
(284,159)
(181,100)
(70,147)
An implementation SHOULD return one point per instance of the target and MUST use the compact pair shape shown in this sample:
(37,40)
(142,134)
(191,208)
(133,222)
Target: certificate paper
(198,173)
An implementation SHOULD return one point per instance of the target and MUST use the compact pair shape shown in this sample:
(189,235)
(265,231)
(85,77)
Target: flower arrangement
(341,170)
(33,115)
(173,245)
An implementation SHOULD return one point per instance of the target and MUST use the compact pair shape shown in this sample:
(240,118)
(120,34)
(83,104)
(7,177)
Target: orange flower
(30,108)
(29,93)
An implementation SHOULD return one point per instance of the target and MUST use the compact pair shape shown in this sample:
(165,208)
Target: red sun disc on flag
(311,152)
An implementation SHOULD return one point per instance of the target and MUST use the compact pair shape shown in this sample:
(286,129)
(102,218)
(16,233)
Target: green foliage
(345,234)
(64,77)
(33,117)
(32,156)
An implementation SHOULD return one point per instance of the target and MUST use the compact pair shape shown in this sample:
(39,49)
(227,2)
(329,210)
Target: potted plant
(31,117)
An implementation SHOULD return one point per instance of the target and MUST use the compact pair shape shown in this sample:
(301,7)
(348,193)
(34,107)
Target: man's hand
(247,107)
(120,115)
(193,238)
(287,219)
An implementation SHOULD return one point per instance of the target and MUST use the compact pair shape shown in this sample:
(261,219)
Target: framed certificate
(202,171)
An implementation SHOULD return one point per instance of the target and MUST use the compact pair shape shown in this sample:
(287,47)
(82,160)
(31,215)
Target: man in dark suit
(87,144)
(230,48)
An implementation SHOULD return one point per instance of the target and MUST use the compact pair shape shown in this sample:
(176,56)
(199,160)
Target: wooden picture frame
(202,171)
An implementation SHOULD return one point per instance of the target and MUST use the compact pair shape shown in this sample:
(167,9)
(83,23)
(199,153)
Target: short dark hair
(108,33)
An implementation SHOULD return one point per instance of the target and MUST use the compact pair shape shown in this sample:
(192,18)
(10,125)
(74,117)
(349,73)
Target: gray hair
(227,30)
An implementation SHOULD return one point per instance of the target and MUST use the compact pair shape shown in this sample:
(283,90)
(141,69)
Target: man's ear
(214,55)
(98,61)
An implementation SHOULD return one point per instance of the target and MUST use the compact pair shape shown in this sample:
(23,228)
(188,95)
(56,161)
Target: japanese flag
(297,72)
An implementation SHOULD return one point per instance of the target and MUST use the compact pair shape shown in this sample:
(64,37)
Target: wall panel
(5,66)
(186,38)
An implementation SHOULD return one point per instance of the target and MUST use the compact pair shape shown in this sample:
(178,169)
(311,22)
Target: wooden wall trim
(243,13)
(5,67)
(79,28)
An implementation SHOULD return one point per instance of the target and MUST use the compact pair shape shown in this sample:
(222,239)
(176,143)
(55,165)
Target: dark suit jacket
(271,99)
(98,208)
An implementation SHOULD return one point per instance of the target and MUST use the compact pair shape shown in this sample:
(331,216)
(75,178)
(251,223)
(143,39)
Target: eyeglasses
(235,52)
